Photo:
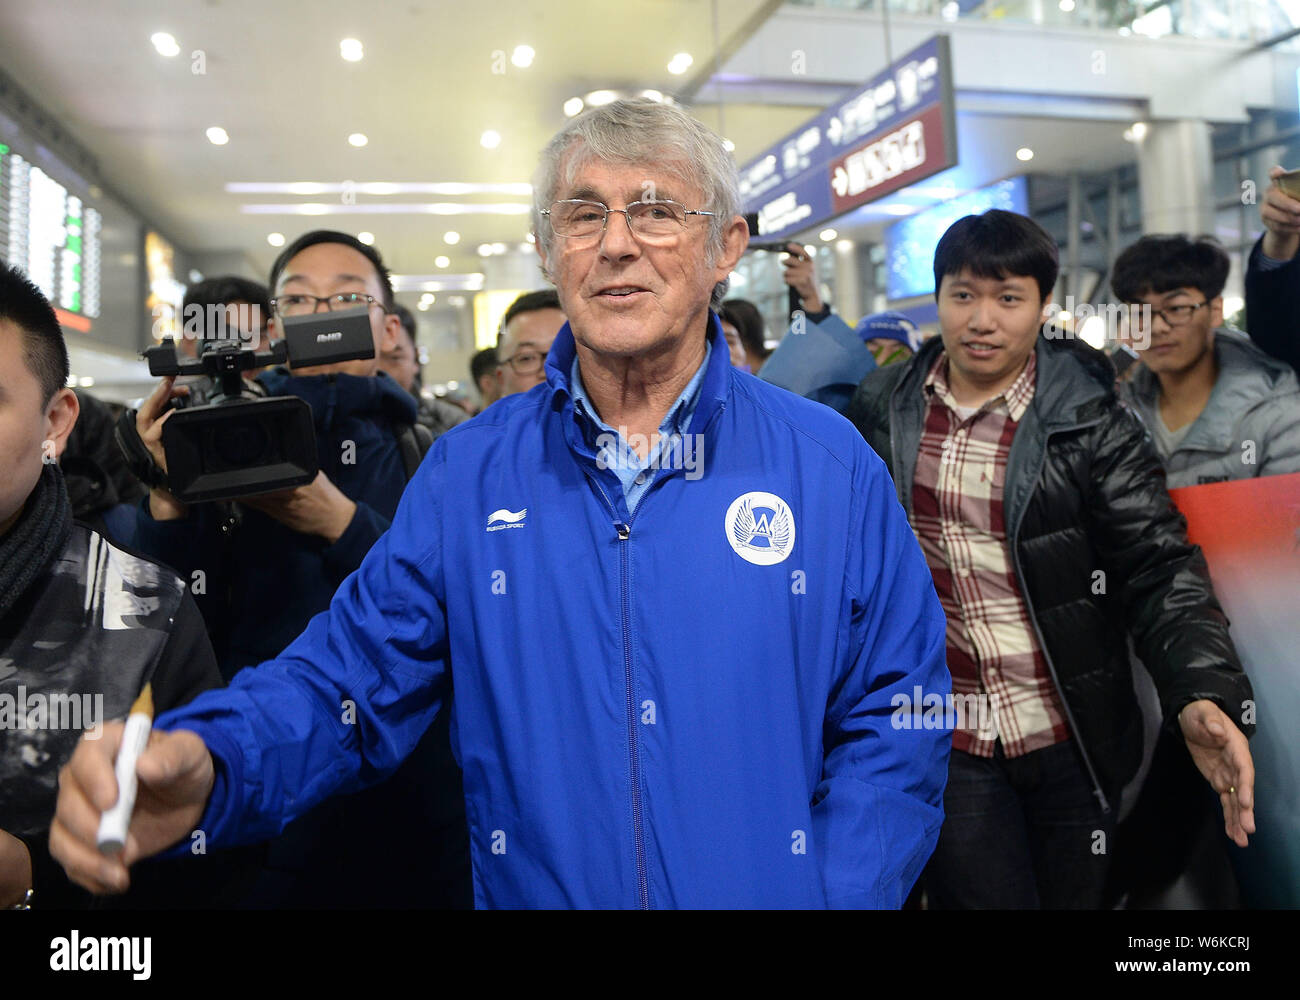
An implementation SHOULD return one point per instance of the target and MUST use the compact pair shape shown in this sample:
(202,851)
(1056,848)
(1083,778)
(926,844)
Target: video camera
(751,219)
(236,443)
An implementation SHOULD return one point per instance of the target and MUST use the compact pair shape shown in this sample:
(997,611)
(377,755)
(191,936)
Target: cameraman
(263,566)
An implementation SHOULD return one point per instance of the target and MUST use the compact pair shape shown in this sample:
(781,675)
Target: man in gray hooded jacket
(1217,407)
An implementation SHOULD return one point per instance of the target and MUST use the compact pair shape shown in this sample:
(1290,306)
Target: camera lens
(241,443)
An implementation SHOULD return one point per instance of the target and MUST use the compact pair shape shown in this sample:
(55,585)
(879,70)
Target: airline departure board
(51,234)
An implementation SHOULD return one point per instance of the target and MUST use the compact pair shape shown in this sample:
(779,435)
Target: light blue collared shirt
(612,449)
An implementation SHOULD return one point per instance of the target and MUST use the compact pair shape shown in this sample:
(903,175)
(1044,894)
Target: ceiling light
(526,247)
(1136,132)
(217,135)
(367,238)
(1066,5)
(441,261)
(485,249)
(653,95)
(598,97)
(728,145)
(165,44)
(86,381)
(522,56)
(1024,154)
(358,139)
(680,63)
(275,239)
(350,49)
(490,139)
(826,235)
(451,238)
(844,245)
(810,250)
(422,305)
(531,238)
(303,187)
(572,106)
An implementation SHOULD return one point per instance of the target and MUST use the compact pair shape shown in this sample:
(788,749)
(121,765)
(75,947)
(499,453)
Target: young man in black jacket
(84,625)
(1041,507)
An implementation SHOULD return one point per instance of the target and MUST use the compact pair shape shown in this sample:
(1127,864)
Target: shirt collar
(678,418)
(1014,399)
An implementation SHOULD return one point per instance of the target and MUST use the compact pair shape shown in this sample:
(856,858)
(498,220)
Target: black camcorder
(239,444)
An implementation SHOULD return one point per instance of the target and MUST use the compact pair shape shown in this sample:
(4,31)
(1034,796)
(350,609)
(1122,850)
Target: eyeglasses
(526,362)
(1142,317)
(650,221)
(299,304)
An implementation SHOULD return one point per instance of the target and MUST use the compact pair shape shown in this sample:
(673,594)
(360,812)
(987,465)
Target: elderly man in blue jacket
(552,578)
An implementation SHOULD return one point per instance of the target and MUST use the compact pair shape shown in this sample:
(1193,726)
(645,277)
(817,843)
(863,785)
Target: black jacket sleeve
(187,666)
(1273,308)
(1178,627)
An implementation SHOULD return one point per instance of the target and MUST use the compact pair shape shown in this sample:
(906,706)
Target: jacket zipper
(1014,539)
(624,530)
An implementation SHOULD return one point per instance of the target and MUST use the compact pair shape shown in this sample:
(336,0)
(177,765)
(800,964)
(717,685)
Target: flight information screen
(51,234)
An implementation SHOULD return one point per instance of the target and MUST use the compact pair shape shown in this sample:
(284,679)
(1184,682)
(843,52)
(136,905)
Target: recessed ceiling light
(165,44)
(451,238)
(728,145)
(358,139)
(680,63)
(441,261)
(844,245)
(522,56)
(86,381)
(810,250)
(531,238)
(653,95)
(572,106)
(826,235)
(367,238)
(498,248)
(275,239)
(490,139)
(598,97)
(526,247)
(485,249)
(422,305)
(1024,154)
(217,135)
(1066,5)
(1136,132)
(351,50)
(306,187)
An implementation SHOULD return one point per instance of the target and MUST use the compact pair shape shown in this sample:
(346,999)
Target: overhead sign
(897,129)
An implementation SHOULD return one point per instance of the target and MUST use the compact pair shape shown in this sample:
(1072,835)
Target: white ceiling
(427,88)
(429,85)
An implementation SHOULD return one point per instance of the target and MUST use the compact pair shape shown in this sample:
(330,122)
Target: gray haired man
(625,743)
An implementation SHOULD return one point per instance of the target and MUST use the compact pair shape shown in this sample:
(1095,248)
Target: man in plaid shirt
(1041,507)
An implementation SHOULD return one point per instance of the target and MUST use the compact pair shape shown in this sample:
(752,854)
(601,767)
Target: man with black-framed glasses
(527,331)
(262,567)
(1217,407)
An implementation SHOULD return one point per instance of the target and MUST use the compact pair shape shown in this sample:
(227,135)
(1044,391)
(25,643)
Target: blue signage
(893,131)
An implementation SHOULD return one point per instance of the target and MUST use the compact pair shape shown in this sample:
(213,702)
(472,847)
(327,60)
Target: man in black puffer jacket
(1041,506)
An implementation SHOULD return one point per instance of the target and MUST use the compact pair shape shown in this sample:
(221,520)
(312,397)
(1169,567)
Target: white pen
(135,737)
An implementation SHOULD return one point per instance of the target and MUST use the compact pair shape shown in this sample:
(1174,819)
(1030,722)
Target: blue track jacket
(689,704)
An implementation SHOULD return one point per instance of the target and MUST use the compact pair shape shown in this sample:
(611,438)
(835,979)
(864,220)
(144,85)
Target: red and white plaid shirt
(957,515)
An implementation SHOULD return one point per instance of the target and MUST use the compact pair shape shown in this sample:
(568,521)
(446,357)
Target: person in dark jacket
(268,564)
(1042,510)
(1273,277)
(84,624)
(402,363)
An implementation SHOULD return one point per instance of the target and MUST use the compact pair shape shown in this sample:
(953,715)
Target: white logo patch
(501,519)
(760,527)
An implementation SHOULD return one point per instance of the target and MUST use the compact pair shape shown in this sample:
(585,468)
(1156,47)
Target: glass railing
(1242,20)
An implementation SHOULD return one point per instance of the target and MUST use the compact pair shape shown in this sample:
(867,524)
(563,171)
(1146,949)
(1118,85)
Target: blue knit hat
(892,326)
